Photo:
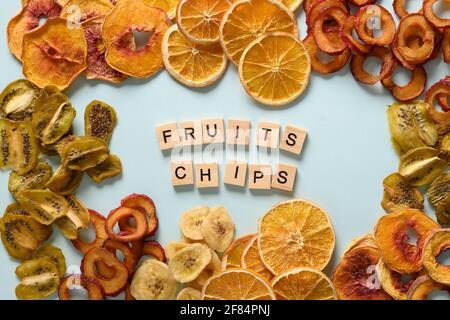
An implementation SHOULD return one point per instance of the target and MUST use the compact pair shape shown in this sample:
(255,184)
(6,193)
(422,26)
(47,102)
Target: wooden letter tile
(259,176)
(167,135)
(236,173)
(293,139)
(284,177)
(213,131)
(182,173)
(191,133)
(268,135)
(207,175)
(238,132)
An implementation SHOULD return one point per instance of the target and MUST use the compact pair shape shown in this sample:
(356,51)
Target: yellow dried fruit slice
(192,64)
(439,189)
(274,69)
(213,268)
(54,54)
(232,256)
(247,20)
(169,6)
(367,240)
(423,287)
(65,181)
(252,261)
(191,222)
(292,4)
(173,247)
(109,168)
(18,99)
(443,211)
(218,229)
(295,234)
(237,284)
(399,194)
(35,179)
(303,284)
(187,264)
(84,153)
(199,20)
(78,11)
(189,294)
(437,243)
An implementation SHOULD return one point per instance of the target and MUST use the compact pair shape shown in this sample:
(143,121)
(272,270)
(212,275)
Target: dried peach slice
(423,287)
(232,256)
(169,6)
(391,234)
(437,243)
(27,20)
(366,240)
(54,54)
(431,16)
(251,260)
(191,64)
(119,24)
(78,11)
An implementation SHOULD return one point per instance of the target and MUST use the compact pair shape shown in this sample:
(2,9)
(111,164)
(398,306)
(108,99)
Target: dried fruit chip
(18,99)
(355,45)
(168,6)
(251,260)
(303,284)
(191,222)
(413,89)
(392,233)
(399,195)
(15,209)
(439,189)
(58,50)
(213,268)
(126,213)
(232,256)
(142,203)
(367,240)
(431,16)
(34,179)
(65,181)
(218,229)
(129,260)
(420,166)
(98,222)
(437,243)
(384,18)
(99,120)
(189,294)
(78,11)
(154,249)
(54,255)
(246,20)
(443,211)
(295,234)
(76,218)
(74,281)
(274,69)
(84,153)
(247,285)
(187,264)
(442,87)
(423,287)
(173,247)
(360,74)
(109,168)
(119,24)
(330,42)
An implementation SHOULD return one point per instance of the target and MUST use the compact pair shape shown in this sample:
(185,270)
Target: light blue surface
(345,159)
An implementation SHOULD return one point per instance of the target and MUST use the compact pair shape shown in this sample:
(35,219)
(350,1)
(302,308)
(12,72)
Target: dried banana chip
(191,222)
(109,168)
(35,179)
(84,153)
(420,166)
(399,194)
(218,229)
(18,99)
(187,264)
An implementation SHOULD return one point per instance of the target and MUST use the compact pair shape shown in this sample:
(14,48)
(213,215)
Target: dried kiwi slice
(99,120)
(35,179)
(52,117)
(18,99)
(77,218)
(45,206)
(84,153)
(420,166)
(439,189)
(65,181)
(443,144)
(22,235)
(411,126)
(443,211)
(399,194)
(16,209)
(109,168)
(38,279)
(55,255)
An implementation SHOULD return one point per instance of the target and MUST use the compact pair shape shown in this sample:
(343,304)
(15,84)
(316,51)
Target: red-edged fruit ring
(129,260)
(98,222)
(318,6)
(432,17)
(356,46)
(400,8)
(357,65)
(126,213)
(93,287)
(144,204)
(364,27)
(155,250)
(442,87)
(445,45)
(329,42)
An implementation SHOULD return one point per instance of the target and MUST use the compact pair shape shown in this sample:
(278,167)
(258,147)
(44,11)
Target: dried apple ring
(144,204)
(119,24)
(27,20)
(413,89)
(318,6)
(116,215)
(330,43)
(385,19)
(353,44)
(357,65)
(423,287)
(116,284)
(155,250)
(98,222)
(54,54)
(399,8)
(391,234)
(78,11)
(93,287)
(129,259)
(441,87)
(445,44)
(437,243)
(431,15)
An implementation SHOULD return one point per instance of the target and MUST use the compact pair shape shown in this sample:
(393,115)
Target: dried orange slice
(53,54)
(169,6)
(237,284)
(199,20)
(303,284)
(192,64)
(275,69)
(118,28)
(232,256)
(252,261)
(246,20)
(295,234)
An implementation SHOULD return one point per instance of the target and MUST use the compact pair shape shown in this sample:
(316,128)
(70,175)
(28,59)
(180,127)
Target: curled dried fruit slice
(366,240)
(191,222)
(99,120)
(445,44)
(173,247)
(399,195)
(365,28)
(153,281)
(78,11)
(420,166)
(126,17)
(303,284)
(295,234)
(247,285)
(391,234)
(439,189)
(413,89)
(423,287)
(316,9)
(443,211)
(251,260)
(65,181)
(441,87)
(38,279)
(116,284)
(44,206)
(18,99)
(142,203)
(27,20)
(109,168)
(411,126)
(154,249)
(329,42)
(213,268)
(54,255)
(129,260)
(199,20)
(15,209)
(187,264)
(168,6)
(84,153)
(355,278)
(246,20)
(98,222)
(126,213)
(191,64)
(57,49)
(276,58)
(22,235)
(437,243)
(353,44)
(393,283)
(34,179)
(431,16)
(387,67)
(232,256)
(189,294)
(76,218)
(400,8)
(74,281)
(218,229)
